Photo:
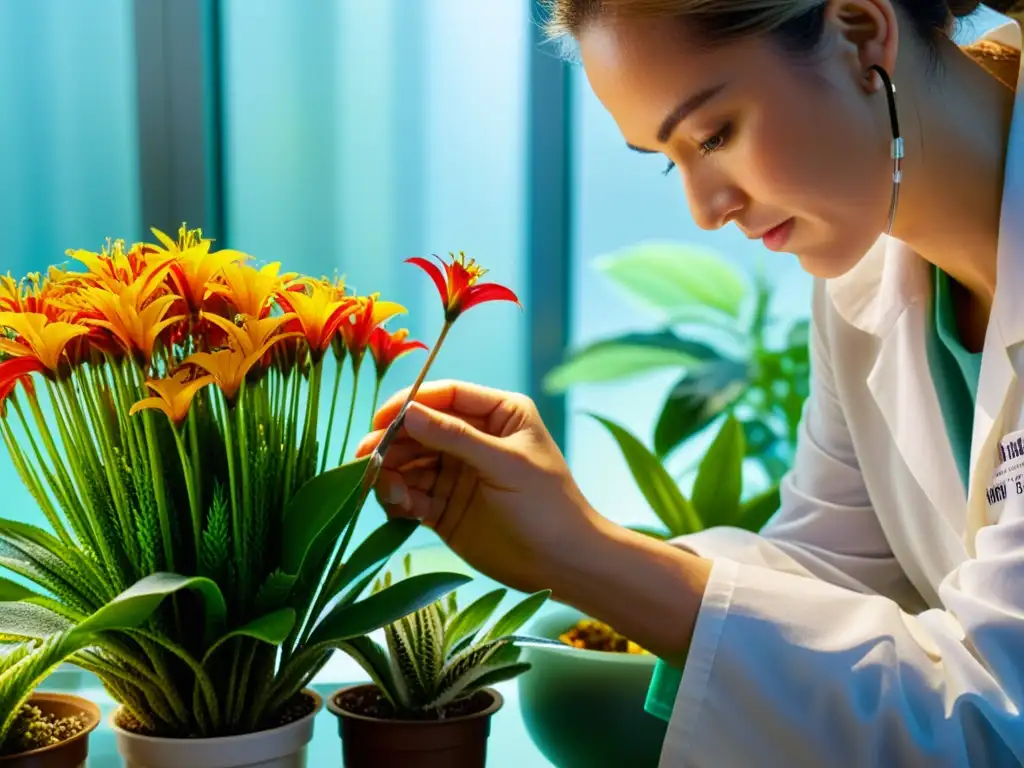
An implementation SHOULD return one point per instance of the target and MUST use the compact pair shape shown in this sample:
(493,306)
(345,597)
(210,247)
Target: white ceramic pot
(283,747)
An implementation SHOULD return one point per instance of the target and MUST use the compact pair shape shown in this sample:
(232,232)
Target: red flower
(388,347)
(459,284)
(14,370)
(358,328)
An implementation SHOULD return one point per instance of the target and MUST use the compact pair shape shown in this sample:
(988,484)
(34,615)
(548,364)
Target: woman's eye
(715,142)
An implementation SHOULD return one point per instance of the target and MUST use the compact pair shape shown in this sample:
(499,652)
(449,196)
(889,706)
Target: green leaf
(271,628)
(370,556)
(719,483)
(696,400)
(23,620)
(654,481)
(654,533)
(369,655)
(316,507)
(468,621)
(517,616)
(135,605)
(625,357)
(386,606)
(671,276)
(757,511)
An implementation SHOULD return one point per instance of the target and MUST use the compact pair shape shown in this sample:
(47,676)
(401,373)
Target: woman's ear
(868,33)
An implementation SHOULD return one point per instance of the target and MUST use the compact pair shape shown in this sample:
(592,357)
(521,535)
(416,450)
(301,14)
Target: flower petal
(435,275)
(485,292)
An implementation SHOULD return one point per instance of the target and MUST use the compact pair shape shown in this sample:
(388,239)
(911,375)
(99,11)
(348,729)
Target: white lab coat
(879,618)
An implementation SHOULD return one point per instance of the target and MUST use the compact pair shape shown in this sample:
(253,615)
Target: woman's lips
(775,239)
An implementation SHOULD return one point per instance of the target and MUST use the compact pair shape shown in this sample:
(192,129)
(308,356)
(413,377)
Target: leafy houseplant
(163,408)
(437,669)
(718,332)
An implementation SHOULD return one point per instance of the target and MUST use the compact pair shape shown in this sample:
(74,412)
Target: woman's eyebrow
(680,113)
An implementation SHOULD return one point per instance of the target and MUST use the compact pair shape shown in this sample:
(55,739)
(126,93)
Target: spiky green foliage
(229,501)
(440,654)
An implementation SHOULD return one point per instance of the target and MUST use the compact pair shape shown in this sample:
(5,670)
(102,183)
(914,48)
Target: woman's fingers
(456,397)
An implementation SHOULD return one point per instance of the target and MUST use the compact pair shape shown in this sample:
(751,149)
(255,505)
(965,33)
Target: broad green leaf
(696,400)
(757,511)
(271,628)
(384,607)
(626,357)
(23,620)
(369,655)
(316,507)
(654,481)
(671,276)
(135,605)
(517,616)
(719,483)
(468,621)
(375,551)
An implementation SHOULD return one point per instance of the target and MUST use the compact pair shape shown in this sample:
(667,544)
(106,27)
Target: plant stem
(330,419)
(356,365)
(237,533)
(193,502)
(376,399)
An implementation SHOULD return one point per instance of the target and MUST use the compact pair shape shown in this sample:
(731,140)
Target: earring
(896,149)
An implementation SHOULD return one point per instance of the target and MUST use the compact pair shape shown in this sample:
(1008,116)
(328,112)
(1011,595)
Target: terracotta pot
(283,747)
(370,742)
(68,754)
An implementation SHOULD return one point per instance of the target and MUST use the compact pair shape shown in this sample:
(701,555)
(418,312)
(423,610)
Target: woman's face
(793,152)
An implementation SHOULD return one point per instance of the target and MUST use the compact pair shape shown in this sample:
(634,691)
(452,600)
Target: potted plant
(600,686)
(163,407)
(430,701)
(716,328)
(42,729)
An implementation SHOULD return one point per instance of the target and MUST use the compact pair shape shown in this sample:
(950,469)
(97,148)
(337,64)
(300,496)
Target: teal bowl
(586,708)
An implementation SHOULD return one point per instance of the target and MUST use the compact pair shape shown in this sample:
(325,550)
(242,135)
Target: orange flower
(194,266)
(369,315)
(113,268)
(253,333)
(249,290)
(13,371)
(135,327)
(319,313)
(174,395)
(388,347)
(230,366)
(35,293)
(459,284)
(38,338)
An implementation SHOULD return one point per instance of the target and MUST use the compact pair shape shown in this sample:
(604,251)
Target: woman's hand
(478,466)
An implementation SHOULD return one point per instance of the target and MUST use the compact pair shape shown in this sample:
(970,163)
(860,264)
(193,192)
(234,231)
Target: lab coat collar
(887,294)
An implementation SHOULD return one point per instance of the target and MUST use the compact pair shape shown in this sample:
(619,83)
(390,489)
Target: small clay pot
(371,742)
(68,754)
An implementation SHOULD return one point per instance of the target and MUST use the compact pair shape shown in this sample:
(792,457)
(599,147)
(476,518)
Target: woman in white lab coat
(879,618)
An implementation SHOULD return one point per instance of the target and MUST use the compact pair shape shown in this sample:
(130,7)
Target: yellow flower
(253,333)
(174,395)
(136,329)
(320,313)
(229,367)
(250,290)
(38,337)
(112,268)
(194,266)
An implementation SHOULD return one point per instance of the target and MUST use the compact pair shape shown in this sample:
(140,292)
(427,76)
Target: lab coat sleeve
(811,649)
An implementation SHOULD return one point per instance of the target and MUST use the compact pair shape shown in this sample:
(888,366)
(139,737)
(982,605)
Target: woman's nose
(714,202)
